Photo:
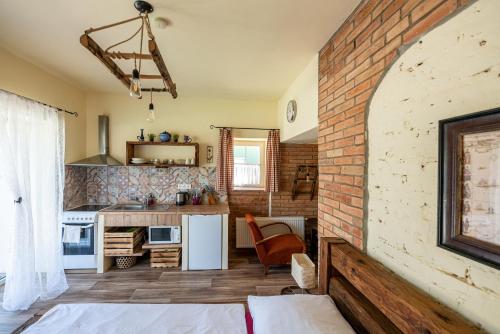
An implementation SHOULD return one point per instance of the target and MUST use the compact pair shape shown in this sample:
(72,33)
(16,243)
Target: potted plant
(210,191)
(151,136)
(175,137)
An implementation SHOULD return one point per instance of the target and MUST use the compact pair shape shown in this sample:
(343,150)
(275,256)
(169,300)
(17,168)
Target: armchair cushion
(279,249)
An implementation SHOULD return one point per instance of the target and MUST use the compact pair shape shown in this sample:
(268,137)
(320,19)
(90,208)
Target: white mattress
(297,314)
(142,318)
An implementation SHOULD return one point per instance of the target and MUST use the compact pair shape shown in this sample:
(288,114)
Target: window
(249,163)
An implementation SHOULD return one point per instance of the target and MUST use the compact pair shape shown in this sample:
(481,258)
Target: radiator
(244,240)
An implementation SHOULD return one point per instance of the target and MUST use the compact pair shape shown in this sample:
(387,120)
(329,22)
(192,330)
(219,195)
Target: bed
(373,299)
(141,318)
(357,294)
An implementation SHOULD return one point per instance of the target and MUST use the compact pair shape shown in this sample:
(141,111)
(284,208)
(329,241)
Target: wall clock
(291,111)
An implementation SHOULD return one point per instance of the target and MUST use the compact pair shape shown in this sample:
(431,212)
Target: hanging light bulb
(151,114)
(135,85)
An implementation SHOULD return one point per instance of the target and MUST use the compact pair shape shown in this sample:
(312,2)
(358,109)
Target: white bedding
(297,314)
(142,318)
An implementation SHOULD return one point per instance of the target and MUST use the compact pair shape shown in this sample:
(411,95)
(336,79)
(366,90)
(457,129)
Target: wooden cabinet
(146,219)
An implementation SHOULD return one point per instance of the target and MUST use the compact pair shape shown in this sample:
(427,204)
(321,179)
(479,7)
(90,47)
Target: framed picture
(210,154)
(469,186)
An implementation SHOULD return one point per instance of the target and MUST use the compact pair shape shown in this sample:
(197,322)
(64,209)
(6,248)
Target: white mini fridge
(205,242)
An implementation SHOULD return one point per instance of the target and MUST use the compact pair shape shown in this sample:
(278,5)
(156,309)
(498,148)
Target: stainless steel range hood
(103,158)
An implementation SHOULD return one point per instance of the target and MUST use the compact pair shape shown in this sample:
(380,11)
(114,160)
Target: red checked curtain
(225,161)
(273,161)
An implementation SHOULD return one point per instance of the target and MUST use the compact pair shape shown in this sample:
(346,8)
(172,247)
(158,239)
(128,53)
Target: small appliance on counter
(164,235)
(181,198)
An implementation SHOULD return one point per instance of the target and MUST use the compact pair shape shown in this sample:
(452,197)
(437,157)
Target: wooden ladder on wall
(308,175)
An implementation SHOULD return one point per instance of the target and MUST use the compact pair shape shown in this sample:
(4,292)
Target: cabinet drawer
(132,219)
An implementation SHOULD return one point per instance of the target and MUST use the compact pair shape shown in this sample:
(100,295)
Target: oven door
(82,255)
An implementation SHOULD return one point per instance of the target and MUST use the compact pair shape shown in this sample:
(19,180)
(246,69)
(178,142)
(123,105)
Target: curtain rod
(232,127)
(74,113)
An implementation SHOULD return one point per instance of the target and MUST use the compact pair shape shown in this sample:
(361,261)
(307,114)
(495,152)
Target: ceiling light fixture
(135,85)
(151,114)
(133,81)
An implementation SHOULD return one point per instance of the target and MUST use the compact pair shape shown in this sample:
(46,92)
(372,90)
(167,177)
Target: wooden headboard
(375,300)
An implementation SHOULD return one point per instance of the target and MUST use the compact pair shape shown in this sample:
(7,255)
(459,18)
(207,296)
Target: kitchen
(85,226)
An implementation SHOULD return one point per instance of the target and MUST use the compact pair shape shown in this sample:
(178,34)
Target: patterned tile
(97,185)
(118,180)
(103,185)
(75,189)
(138,182)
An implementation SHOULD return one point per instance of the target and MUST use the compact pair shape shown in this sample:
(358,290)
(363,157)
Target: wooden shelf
(138,251)
(161,165)
(160,246)
(131,149)
(169,143)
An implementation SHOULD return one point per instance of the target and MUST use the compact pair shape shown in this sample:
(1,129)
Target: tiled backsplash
(103,185)
(75,186)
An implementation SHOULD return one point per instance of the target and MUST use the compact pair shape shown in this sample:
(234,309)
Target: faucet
(134,198)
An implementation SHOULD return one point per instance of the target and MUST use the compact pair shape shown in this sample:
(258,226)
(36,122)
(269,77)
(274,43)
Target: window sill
(248,189)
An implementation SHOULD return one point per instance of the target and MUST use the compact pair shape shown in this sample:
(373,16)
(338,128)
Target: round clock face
(291,111)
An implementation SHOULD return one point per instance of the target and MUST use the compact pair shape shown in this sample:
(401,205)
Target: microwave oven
(164,234)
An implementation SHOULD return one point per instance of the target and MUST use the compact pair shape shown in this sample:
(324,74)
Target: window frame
(262,143)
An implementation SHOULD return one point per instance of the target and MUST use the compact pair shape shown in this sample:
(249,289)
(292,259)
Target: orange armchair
(276,249)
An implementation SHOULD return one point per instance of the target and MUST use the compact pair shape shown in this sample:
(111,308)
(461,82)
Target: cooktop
(90,207)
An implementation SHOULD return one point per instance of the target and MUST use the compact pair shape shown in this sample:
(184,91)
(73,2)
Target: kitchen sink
(132,207)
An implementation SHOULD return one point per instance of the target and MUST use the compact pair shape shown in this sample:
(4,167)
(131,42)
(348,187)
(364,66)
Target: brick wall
(256,202)
(350,65)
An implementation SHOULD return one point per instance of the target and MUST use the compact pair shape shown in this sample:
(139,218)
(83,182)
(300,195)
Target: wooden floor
(141,284)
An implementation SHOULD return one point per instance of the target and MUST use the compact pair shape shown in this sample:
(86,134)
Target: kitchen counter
(204,209)
(159,215)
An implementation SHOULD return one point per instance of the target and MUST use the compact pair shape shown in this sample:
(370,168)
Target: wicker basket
(303,271)
(125,262)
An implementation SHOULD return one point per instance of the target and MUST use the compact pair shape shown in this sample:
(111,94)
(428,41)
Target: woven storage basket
(303,271)
(125,262)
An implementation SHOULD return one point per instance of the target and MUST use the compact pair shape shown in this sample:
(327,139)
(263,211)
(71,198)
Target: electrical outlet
(184,186)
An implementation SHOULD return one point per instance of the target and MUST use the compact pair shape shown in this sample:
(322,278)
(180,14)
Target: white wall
(304,90)
(454,71)
(21,77)
(184,115)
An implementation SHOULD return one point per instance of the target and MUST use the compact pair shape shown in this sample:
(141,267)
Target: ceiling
(222,48)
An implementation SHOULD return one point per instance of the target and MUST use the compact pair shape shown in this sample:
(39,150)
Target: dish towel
(71,234)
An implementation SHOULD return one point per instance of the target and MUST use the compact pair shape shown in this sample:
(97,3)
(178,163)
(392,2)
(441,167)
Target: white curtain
(32,172)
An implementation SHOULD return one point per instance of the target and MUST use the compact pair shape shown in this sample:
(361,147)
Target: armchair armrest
(263,241)
(277,223)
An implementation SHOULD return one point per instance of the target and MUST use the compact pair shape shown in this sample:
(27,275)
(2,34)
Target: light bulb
(151,114)
(135,85)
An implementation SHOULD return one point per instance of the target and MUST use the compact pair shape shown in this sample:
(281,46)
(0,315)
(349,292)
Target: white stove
(82,254)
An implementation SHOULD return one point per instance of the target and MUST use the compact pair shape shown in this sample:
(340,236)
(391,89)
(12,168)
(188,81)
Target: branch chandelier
(133,81)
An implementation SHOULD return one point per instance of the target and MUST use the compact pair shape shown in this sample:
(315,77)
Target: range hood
(103,158)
